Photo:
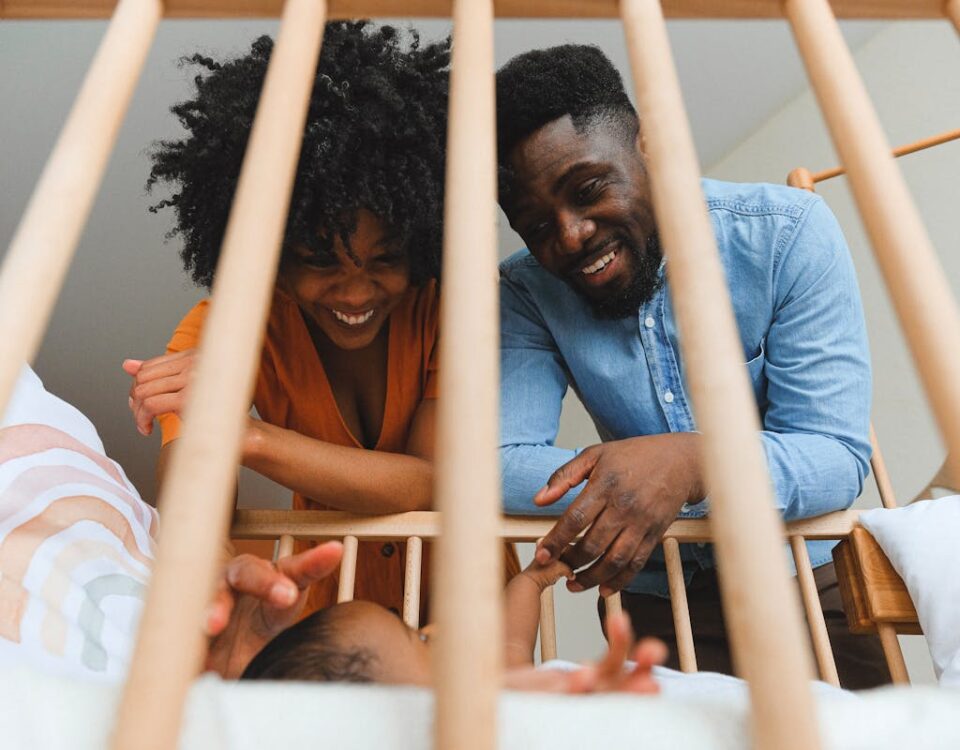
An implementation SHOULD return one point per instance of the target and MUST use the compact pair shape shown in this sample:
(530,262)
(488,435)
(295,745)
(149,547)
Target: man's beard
(643,284)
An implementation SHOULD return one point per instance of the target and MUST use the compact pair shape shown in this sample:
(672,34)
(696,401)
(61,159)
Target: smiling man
(587,306)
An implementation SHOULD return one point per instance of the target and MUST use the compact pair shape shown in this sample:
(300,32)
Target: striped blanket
(76,541)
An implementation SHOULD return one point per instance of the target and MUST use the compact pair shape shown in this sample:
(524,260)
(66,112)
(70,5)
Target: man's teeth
(353,320)
(599,265)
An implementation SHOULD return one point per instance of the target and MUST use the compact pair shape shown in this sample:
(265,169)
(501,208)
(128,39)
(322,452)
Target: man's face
(581,202)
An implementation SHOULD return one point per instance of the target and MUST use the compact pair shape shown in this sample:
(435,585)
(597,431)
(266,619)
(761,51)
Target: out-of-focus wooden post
(915,279)
(893,653)
(678,603)
(880,475)
(815,621)
(198,494)
(42,247)
(952,9)
(469,649)
(411,582)
(548,626)
(348,569)
(763,615)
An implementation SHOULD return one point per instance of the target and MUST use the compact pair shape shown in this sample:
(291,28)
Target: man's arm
(816,424)
(533,382)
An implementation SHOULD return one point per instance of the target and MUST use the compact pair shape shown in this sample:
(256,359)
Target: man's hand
(609,675)
(159,386)
(257,599)
(636,488)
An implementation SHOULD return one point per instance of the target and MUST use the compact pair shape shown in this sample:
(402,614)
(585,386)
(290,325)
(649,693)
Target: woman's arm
(352,479)
(523,609)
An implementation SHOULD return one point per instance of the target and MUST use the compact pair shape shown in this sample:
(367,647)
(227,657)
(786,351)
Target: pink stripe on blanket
(39,480)
(27,439)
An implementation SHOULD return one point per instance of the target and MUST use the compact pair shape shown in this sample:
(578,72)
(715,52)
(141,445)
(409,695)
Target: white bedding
(58,713)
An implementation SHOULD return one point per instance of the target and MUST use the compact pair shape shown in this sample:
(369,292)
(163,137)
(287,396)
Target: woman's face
(348,301)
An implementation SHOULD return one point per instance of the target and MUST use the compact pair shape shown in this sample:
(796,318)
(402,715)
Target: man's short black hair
(374,139)
(312,651)
(541,86)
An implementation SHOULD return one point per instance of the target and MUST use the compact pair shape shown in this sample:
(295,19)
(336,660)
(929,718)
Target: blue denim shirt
(798,310)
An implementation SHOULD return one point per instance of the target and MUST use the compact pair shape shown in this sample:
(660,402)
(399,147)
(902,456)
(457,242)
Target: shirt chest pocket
(755,370)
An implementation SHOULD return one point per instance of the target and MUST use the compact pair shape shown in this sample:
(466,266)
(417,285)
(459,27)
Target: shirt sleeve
(816,424)
(533,383)
(186,336)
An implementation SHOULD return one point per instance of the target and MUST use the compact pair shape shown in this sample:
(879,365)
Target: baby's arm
(523,608)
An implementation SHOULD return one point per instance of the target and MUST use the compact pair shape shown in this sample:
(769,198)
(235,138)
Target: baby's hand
(547,575)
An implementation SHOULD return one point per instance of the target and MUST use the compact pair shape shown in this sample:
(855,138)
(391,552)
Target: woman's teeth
(353,320)
(599,265)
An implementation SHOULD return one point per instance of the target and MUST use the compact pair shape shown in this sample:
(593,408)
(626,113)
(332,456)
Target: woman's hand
(159,386)
(257,599)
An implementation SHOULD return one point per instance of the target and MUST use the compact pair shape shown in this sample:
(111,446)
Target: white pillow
(921,542)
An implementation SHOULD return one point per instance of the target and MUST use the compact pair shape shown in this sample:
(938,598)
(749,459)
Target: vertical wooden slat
(952,9)
(880,475)
(754,578)
(411,582)
(467,491)
(893,653)
(548,626)
(815,621)
(914,277)
(285,546)
(40,252)
(197,496)
(678,603)
(348,570)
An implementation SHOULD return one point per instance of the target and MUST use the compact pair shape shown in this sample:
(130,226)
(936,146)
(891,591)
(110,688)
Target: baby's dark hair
(312,651)
(543,85)
(374,139)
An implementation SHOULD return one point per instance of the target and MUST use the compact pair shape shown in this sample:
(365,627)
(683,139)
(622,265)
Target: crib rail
(414,527)
(898,9)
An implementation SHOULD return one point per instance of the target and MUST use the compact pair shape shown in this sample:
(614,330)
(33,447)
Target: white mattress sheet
(43,712)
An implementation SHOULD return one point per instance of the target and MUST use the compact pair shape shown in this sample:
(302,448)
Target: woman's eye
(320,263)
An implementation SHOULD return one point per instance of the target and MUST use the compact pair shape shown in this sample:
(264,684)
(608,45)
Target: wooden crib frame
(197,497)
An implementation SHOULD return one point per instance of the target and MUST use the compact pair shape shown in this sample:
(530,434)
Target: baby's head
(350,642)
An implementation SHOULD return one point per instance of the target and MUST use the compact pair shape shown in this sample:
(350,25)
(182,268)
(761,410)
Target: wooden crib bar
(39,255)
(914,277)
(197,496)
(504,8)
(469,650)
(348,569)
(678,602)
(411,582)
(754,586)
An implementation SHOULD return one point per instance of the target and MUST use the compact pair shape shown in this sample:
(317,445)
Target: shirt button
(649,322)
(387,550)
(668,397)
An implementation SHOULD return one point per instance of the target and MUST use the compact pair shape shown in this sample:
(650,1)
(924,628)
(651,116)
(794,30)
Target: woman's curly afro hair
(374,139)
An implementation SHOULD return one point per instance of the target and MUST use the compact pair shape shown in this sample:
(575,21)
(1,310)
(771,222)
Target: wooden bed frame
(197,497)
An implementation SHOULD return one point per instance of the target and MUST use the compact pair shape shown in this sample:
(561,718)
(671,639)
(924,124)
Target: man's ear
(641,144)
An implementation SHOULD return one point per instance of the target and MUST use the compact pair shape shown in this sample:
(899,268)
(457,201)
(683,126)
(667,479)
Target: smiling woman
(348,377)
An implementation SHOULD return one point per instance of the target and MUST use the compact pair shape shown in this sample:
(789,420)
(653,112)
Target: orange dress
(293,392)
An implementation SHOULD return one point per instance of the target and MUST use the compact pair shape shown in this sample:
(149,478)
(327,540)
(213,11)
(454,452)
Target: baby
(363,642)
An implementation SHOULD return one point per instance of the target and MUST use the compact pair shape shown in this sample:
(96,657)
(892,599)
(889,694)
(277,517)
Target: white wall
(910,72)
